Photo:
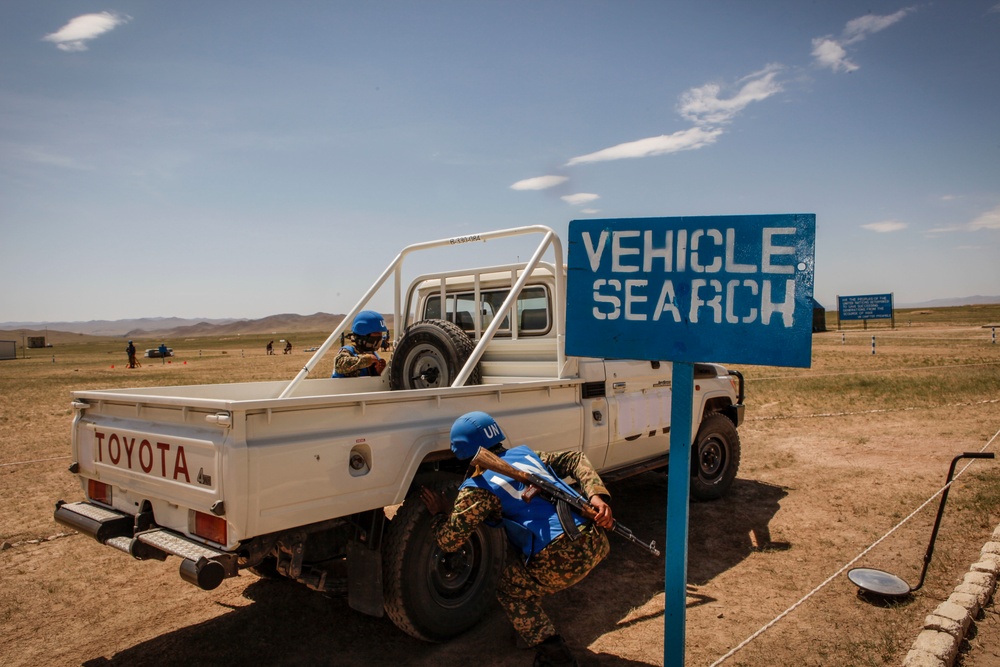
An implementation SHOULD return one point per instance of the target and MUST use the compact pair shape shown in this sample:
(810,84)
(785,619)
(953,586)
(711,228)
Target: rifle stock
(489,461)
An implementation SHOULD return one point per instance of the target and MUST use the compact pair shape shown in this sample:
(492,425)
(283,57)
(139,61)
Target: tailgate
(174,458)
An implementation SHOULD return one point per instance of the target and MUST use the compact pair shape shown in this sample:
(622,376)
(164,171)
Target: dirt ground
(834,457)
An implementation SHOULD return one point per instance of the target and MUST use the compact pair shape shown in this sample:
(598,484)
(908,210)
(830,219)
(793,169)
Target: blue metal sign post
(678,487)
(734,289)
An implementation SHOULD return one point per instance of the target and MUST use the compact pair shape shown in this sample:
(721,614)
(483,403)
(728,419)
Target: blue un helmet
(472,431)
(368,329)
(368,322)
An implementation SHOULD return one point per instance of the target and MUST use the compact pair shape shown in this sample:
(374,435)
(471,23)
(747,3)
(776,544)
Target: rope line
(873,370)
(21,463)
(976,337)
(38,540)
(767,626)
(871,412)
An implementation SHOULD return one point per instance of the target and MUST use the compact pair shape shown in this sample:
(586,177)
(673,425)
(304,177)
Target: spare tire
(431,354)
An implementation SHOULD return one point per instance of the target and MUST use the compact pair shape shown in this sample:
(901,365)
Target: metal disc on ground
(878,582)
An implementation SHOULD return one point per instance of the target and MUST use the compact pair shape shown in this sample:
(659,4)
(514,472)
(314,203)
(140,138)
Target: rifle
(487,460)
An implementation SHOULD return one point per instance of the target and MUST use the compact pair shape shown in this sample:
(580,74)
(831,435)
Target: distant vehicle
(154,352)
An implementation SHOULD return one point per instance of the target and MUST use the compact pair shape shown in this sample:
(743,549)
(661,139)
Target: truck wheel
(430,594)
(715,459)
(431,354)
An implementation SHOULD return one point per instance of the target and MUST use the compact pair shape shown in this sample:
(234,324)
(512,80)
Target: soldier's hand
(603,518)
(379,365)
(434,500)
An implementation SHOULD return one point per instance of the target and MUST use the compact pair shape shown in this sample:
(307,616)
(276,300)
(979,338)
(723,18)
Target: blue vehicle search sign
(734,289)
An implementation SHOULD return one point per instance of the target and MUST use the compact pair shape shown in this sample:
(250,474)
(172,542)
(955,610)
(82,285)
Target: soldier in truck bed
(360,359)
(549,560)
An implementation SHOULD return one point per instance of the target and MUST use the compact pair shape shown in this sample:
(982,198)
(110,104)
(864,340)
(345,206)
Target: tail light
(99,491)
(211,528)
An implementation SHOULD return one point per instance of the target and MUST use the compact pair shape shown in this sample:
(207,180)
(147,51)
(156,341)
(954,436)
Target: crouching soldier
(549,560)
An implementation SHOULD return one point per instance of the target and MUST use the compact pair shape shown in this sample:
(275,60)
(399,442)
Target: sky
(244,159)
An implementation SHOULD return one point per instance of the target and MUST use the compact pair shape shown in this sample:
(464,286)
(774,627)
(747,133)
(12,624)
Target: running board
(630,471)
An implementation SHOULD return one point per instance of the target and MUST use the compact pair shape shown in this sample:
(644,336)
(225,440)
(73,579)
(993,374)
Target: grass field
(834,456)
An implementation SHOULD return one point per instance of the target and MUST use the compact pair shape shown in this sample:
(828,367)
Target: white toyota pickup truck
(313,479)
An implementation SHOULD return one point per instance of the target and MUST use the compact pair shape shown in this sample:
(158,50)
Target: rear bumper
(201,565)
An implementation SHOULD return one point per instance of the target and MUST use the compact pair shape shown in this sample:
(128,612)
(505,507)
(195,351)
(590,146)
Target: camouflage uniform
(350,365)
(558,566)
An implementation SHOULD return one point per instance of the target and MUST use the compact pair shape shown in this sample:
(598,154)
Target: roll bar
(549,238)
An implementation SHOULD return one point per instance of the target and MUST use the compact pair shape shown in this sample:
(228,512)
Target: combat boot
(553,652)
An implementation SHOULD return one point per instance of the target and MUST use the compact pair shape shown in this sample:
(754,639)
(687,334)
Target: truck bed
(194,446)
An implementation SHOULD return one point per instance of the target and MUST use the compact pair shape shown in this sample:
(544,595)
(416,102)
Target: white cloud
(946,230)
(988,220)
(74,35)
(859,28)
(707,108)
(885,226)
(831,52)
(590,211)
(539,183)
(704,106)
(580,198)
(43,157)
(684,140)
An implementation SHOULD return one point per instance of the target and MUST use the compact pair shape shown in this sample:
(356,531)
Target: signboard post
(734,289)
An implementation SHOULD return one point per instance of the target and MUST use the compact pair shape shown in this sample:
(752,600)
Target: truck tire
(715,458)
(431,354)
(429,594)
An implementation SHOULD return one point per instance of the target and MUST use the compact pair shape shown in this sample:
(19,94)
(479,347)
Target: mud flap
(364,579)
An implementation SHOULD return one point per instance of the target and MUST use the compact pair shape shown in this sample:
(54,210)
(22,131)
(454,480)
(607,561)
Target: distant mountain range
(113,327)
(156,327)
(175,327)
(947,303)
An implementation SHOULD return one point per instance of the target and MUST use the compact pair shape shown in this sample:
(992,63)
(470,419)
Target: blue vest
(364,372)
(530,526)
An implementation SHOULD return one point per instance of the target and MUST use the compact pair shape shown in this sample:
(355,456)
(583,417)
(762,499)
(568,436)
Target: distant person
(270,347)
(130,351)
(288,347)
(360,359)
(164,352)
